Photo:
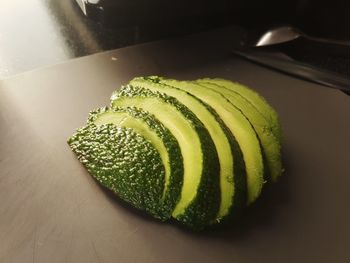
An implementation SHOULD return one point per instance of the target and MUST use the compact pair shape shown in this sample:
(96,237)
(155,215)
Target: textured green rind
(237,180)
(203,209)
(238,125)
(270,144)
(173,188)
(124,162)
(255,99)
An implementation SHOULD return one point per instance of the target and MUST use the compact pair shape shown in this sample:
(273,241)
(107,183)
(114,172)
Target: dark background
(36,33)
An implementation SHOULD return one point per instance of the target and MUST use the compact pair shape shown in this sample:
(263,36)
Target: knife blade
(298,69)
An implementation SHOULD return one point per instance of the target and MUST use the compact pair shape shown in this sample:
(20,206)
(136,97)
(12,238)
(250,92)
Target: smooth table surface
(51,210)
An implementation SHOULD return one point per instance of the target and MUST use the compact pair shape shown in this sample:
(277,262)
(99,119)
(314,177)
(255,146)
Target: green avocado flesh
(232,174)
(197,151)
(240,128)
(162,140)
(200,194)
(255,99)
(270,144)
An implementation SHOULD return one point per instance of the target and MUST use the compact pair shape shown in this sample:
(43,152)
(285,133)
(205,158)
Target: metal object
(298,69)
(284,34)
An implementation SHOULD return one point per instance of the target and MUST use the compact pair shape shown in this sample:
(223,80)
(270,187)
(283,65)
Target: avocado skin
(203,209)
(176,165)
(124,162)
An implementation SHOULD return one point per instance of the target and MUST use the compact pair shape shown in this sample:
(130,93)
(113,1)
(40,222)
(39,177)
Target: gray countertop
(51,210)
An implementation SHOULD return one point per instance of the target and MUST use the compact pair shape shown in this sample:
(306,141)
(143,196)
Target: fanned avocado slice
(200,193)
(255,99)
(162,140)
(124,162)
(238,125)
(271,146)
(232,171)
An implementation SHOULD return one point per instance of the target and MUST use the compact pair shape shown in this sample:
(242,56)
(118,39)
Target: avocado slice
(238,125)
(271,146)
(255,99)
(124,162)
(200,193)
(162,140)
(232,172)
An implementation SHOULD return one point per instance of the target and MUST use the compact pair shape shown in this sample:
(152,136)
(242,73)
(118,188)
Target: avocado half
(196,151)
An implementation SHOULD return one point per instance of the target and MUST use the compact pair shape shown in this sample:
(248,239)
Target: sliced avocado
(232,172)
(255,99)
(124,162)
(238,125)
(162,140)
(200,193)
(270,144)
